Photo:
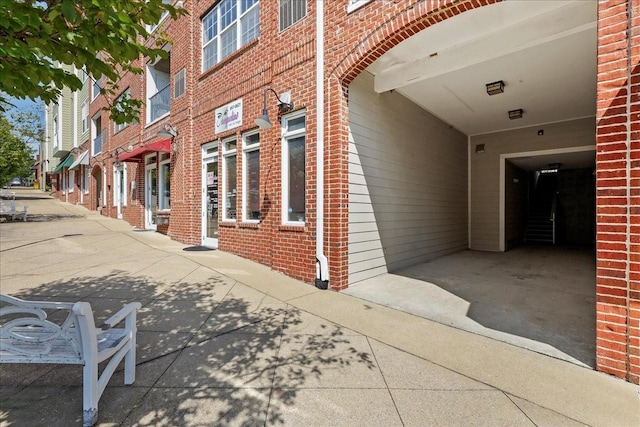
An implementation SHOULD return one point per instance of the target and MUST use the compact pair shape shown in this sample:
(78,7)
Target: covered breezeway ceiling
(544,51)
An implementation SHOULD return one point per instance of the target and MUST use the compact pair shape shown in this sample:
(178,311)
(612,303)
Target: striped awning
(83,159)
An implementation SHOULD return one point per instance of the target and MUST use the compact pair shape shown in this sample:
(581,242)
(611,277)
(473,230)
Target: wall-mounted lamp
(117,162)
(284,105)
(168,131)
(495,87)
(515,114)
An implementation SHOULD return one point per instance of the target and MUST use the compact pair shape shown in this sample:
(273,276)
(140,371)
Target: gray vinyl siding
(485,169)
(407,183)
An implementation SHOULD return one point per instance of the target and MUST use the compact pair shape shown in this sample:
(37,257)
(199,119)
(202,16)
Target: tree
(16,157)
(103,37)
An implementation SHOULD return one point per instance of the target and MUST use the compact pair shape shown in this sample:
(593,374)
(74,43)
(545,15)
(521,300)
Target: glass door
(210,195)
(151,196)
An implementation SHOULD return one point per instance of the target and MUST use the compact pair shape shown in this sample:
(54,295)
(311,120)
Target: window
(96,132)
(158,91)
(152,28)
(229,181)
(83,75)
(117,127)
(72,184)
(85,116)
(97,85)
(56,130)
(178,84)
(164,201)
(293,169)
(229,26)
(291,11)
(356,4)
(251,177)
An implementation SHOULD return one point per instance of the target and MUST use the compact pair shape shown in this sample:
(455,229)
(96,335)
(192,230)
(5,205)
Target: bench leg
(130,362)
(90,395)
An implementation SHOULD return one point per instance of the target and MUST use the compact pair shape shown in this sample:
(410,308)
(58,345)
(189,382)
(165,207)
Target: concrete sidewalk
(224,341)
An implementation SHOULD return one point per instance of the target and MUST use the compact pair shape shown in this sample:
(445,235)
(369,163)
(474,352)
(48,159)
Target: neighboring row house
(439,120)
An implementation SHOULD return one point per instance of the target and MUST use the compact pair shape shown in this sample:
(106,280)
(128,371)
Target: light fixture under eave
(284,105)
(495,88)
(515,114)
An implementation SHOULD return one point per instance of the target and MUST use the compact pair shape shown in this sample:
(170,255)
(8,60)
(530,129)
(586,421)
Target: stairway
(540,223)
(539,227)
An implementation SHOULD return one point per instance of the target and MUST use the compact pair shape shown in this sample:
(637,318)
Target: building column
(618,190)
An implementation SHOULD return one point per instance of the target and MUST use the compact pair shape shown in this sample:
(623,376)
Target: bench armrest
(127,310)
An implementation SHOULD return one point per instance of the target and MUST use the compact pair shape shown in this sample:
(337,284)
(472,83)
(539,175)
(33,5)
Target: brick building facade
(213,177)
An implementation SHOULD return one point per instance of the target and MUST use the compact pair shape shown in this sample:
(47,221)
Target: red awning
(137,155)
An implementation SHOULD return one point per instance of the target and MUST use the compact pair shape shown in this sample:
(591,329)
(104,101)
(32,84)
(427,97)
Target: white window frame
(179,82)
(356,4)
(117,127)
(94,135)
(226,154)
(156,82)
(246,149)
(85,115)
(116,196)
(151,28)
(56,130)
(290,4)
(96,84)
(71,178)
(286,136)
(160,177)
(215,42)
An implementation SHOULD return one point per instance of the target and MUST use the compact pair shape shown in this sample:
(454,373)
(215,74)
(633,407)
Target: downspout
(322,265)
(628,175)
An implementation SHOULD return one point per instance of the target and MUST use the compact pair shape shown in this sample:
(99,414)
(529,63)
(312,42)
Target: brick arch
(391,31)
(414,18)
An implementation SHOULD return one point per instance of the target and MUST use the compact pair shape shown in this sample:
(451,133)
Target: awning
(83,159)
(63,164)
(162,146)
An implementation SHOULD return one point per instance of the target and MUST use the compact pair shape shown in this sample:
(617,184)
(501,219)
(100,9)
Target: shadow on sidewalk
(204,357)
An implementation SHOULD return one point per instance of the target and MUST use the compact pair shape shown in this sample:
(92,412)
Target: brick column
(618,190)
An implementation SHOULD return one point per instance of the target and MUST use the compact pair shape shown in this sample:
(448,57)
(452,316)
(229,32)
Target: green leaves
(106,37)
(16,157)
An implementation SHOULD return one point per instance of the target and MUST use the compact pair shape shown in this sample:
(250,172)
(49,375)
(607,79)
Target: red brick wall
(618,190)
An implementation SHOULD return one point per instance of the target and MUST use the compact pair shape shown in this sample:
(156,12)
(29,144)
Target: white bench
(27,336)
(8,207)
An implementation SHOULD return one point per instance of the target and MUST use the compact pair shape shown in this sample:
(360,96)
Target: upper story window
(291,11)
(179,83)
(230,25)
(97,85)
(158,91)
(152,28)
(356,4)
(56,131)
(117,127)
(85,115)
(96,135)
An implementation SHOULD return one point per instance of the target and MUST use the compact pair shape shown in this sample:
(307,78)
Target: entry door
(119,190)
(151,197)
(210,196)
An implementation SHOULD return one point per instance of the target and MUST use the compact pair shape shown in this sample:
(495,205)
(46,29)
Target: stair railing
(553,216)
